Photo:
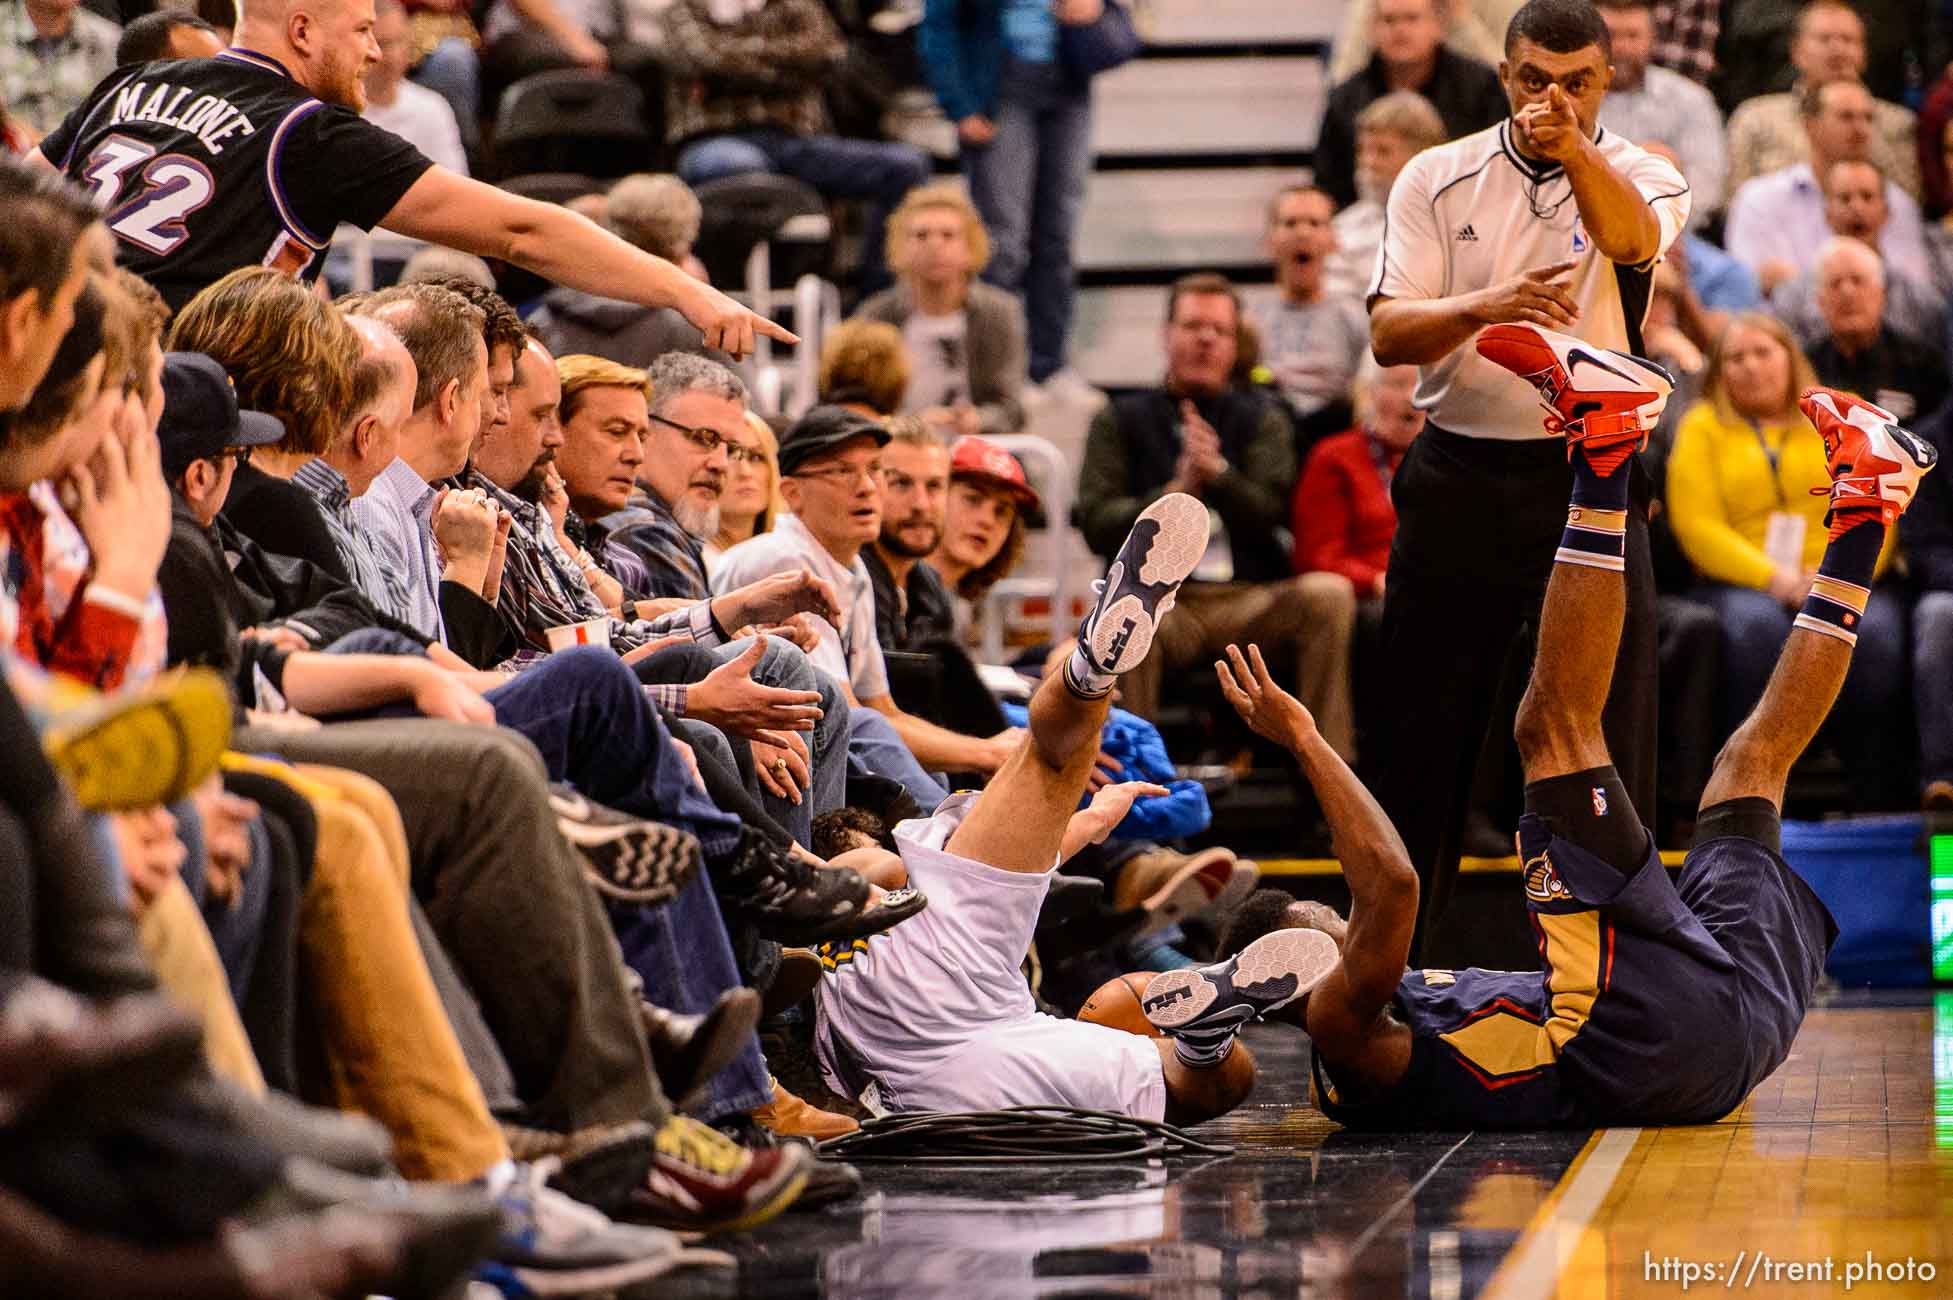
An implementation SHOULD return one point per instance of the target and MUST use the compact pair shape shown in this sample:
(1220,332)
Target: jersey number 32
(172,187)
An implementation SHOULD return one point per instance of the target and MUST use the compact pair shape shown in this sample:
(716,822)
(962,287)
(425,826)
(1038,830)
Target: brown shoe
(800,971)
(790,1116)
(1170,887)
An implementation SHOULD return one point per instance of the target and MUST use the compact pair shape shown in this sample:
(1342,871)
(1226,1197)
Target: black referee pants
(1478,523)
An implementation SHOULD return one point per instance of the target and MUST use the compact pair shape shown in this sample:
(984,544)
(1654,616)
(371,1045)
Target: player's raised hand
(1269,711)
(725,324)
(1537,297)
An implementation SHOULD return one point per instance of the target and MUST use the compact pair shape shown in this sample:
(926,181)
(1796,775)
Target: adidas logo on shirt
(1466,235)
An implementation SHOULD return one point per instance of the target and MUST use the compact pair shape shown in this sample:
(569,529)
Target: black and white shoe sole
(1265,976)
(1166,544)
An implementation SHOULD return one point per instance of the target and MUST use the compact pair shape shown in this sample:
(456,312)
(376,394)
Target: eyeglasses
(710,440)
(843,475)
(242,455)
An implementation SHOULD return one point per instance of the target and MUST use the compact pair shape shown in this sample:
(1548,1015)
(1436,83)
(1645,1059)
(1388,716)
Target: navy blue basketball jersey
(201,166)
(1640,1013)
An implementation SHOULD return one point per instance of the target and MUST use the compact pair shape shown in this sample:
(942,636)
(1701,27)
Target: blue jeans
(875,745)
(1871,706)
(1932,683)
(586,714)
(785,666)
(880,171)
(1029,184)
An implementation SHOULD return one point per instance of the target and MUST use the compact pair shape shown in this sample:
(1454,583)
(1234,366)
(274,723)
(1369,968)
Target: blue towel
(1136,743)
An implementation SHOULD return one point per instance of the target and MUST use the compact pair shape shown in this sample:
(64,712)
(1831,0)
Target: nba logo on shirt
(1600,802)
(1579,236)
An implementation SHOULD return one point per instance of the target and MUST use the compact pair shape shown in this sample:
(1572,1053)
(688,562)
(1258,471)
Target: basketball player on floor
(935,1014)
(1661,1000)
(256,156)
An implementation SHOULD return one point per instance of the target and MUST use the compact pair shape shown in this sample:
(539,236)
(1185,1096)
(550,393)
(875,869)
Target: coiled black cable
(1016,1135)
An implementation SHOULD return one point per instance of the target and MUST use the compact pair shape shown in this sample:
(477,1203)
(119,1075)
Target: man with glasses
(698,428)
(831,478)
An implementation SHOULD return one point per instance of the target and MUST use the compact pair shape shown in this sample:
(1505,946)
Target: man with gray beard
(698,423)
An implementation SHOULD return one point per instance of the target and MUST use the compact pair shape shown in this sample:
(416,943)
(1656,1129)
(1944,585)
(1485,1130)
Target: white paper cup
(595,631)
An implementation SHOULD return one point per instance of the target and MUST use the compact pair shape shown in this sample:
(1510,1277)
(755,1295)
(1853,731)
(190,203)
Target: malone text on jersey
(211,119)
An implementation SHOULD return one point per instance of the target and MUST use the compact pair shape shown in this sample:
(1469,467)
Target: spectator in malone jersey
(281,158)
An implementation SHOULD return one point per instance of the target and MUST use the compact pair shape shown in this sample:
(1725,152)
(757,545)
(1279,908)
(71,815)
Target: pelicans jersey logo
(1543,882)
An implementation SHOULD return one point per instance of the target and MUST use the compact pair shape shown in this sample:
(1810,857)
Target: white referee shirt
(1472,213)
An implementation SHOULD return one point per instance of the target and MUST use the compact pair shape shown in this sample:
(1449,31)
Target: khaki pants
(1303,626)
(389,1049)
(173,934)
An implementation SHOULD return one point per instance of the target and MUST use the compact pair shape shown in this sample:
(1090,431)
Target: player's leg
(1198,1092)
(1874,466)
(1604,404)
(1019,822)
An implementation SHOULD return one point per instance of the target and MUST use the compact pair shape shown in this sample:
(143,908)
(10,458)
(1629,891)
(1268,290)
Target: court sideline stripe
(1532,1270)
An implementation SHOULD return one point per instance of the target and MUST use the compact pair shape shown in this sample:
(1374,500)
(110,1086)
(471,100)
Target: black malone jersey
(201,166)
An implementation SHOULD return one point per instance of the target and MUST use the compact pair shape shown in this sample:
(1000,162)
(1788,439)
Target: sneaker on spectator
(598,1165)
(1171,887)
(625,858)
(139,747)
(553,1245)
(794,902)
(703,1181)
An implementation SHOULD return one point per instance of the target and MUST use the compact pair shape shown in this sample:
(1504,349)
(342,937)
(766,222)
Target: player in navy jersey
(251,158)
(1659,1000)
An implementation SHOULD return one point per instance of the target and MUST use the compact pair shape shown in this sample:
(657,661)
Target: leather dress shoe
(687,1051)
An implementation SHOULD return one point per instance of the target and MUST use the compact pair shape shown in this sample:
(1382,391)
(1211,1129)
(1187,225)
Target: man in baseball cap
(823,430)
(201,420)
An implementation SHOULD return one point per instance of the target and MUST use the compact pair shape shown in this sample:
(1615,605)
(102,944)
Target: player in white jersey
(1544,219)
(935,1015)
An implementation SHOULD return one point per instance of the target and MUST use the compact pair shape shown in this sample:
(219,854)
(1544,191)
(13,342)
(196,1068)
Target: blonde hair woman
(1740,500)
(751,500)
(965,339)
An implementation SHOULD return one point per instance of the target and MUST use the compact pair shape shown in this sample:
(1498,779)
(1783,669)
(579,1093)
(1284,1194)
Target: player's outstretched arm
(1344,1008)
(564,247)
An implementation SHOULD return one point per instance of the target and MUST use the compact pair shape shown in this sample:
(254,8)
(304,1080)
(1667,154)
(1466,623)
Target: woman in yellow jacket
(1741,502)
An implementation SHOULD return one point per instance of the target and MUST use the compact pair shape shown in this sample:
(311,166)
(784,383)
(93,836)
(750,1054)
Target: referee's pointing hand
(1551,127)
(1538,297)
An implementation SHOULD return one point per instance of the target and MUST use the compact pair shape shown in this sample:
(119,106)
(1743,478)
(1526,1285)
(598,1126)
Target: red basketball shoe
(1874,464)
(1604,401)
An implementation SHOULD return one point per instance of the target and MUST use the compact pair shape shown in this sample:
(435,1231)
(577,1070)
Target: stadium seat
(573,121)
(765,239)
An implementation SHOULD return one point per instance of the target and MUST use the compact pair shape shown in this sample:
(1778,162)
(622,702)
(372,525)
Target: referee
(1544,218)
(255,156)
